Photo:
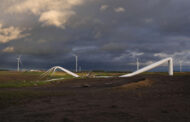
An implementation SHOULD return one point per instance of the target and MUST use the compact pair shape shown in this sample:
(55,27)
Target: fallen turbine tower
(152,66)
(147,68)
(53,70)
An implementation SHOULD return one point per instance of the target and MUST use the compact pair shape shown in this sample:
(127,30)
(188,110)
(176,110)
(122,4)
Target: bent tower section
(152,66)
(53,70)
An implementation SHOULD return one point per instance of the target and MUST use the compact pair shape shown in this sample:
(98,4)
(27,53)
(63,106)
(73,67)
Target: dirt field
(144,98)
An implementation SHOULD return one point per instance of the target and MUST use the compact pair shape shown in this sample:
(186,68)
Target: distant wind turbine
(76,63)
(137,64)
(18,63)
(180,66)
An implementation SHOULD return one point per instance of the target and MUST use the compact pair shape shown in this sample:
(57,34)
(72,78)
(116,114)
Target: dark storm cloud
(101,32)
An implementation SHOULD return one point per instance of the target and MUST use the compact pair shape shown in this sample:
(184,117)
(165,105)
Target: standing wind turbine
(180,66)
(18,63)
(76,58)
(138,64)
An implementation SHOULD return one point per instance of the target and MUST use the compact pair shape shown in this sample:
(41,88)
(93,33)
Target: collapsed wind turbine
(53,70)
(147,68)
(152,66)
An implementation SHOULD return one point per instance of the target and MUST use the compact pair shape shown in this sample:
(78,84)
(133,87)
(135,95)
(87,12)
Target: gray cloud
(10,33)
(99,31)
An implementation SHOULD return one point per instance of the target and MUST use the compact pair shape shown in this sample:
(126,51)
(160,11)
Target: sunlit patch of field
(59,75)
(86,74)
(182,73)
(108,74)
(14,86)
(165,73)
(13,79)
(10,79)
(137,85)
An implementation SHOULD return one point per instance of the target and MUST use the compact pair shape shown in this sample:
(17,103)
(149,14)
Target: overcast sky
(105,34)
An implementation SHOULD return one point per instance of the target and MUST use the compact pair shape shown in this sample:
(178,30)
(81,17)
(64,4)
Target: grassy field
(11,79)
(18,82)
(19,79)
(153,94)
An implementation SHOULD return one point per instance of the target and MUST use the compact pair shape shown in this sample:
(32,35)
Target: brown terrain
(144,98)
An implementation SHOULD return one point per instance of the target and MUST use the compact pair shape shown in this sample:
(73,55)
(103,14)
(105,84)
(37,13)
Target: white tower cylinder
(18,63)
(137,64)
(170,66)
(76,63)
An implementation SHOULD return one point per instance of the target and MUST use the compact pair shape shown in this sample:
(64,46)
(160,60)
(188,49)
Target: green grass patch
(11,79)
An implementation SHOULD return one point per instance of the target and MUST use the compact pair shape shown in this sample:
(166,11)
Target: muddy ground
(144,98)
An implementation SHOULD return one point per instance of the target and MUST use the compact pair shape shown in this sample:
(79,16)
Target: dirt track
(147,98)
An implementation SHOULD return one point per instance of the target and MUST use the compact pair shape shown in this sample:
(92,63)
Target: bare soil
(144,98)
